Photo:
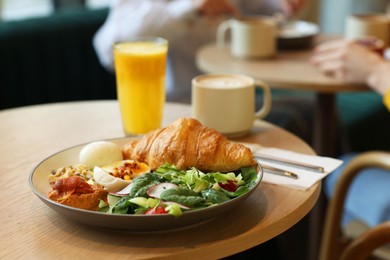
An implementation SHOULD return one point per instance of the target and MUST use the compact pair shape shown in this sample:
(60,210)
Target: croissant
(187,143)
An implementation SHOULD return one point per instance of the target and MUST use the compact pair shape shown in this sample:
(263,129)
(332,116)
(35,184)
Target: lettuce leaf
(183,196)
(214,196)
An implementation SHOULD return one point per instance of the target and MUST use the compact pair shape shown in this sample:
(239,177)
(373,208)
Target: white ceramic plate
(139,223)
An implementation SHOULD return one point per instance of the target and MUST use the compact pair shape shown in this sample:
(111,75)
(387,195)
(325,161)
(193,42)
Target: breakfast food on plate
(84,188)
(84,185)
(100,153)
(75,192)
(182,167)
(82,171)
(118,175)
(187,143)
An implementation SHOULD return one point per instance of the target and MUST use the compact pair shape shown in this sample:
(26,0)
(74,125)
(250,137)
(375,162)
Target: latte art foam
(224,82)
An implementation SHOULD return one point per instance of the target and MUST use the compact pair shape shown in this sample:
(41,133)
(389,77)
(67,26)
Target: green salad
(172,191)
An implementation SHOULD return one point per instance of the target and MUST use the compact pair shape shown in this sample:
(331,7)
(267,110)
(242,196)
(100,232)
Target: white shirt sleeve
(133,18)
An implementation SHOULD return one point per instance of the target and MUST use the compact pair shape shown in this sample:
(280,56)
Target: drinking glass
(140,68)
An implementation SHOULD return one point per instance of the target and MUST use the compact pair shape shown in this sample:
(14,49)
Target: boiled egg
(100,153)
(117,175)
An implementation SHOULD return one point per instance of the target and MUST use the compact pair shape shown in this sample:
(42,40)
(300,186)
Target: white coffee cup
(365,25)
(251,36)
(226,102)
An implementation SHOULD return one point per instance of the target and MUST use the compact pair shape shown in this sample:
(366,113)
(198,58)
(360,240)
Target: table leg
(325,125)
(325,144)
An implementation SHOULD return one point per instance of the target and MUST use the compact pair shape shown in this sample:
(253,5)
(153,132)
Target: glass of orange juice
(140,68)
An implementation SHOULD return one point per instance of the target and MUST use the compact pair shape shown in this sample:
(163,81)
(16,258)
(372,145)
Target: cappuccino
(226,102)
(224,81)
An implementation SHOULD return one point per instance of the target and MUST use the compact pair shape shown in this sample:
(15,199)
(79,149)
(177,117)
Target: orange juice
(140,75)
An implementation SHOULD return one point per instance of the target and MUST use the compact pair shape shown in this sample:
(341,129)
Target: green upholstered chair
(51,59)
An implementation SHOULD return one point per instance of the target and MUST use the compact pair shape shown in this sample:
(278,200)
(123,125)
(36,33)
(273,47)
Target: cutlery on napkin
(306,177)
(278,171)
(303,165)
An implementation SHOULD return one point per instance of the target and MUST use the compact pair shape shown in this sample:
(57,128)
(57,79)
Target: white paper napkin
(306,178)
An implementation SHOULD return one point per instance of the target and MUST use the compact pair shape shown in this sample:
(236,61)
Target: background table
(31,230)
(289,69)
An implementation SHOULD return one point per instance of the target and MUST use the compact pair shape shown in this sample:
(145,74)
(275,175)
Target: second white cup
(251,36)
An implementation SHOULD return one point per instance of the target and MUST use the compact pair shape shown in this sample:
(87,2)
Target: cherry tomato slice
(155,211)
(229,186)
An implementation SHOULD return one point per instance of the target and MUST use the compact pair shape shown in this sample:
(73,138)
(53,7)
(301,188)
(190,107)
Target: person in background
(186,24)
(368,201)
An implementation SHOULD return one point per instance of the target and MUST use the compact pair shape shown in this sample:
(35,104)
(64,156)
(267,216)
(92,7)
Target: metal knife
(288,162)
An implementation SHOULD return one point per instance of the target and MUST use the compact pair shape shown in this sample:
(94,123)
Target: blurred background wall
(333,12)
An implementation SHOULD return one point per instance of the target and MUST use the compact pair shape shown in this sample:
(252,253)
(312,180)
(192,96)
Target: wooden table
(31,230)
(288,70)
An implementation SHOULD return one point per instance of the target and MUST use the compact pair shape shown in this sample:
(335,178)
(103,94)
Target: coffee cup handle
(267,100)
(221,31)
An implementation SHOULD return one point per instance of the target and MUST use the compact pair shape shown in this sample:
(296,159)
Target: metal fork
(277,171)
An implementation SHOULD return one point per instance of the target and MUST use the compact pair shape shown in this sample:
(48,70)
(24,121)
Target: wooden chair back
(336,246)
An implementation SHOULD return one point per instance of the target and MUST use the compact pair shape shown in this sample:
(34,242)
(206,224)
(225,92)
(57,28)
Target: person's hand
(292,7)
(345,60)
(351,62)
(214,7)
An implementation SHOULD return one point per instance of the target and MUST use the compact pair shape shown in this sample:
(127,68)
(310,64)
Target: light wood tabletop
(31,230)
(289,69)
